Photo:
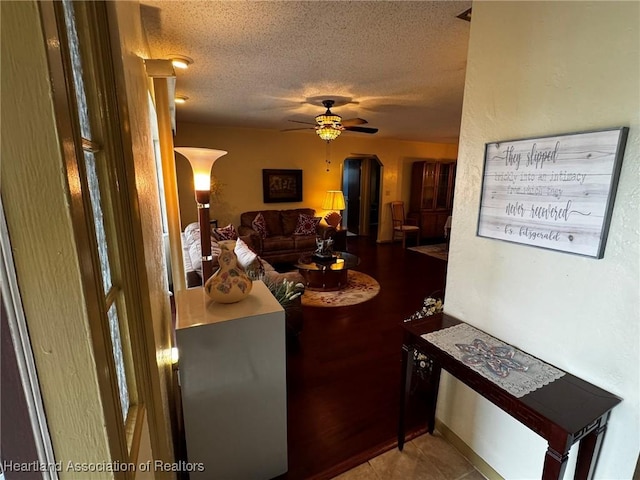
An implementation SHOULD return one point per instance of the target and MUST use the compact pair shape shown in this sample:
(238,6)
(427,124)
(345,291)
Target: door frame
(366,160)
(354,229)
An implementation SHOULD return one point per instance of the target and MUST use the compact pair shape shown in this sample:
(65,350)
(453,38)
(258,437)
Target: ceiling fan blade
(298,121)
(350,122)
(361,129)
(301,128)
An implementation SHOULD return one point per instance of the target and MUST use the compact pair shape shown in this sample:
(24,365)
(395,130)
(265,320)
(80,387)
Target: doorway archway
(362,187)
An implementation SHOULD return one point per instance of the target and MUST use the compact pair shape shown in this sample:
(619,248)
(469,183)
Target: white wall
(537,68)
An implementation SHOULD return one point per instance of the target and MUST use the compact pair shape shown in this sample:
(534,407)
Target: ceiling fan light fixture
(329,119)
(328,132)
(329,124)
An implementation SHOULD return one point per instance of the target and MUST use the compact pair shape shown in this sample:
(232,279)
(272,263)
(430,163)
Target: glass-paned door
(90,90)
(444,172)
(428,185)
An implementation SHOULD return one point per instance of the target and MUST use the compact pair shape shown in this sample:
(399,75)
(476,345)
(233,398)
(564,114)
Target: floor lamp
(201,160)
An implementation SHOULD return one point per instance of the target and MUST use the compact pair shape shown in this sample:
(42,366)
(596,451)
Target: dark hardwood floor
(343,373)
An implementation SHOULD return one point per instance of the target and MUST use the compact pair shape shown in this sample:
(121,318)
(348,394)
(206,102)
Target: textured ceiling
(257,62)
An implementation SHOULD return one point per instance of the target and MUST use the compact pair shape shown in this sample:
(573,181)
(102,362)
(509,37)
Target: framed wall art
(553,192)
(282,185)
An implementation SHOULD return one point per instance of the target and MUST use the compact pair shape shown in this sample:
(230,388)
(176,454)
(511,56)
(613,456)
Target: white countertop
(194,308)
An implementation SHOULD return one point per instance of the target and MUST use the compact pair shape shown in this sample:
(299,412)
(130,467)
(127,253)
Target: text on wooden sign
(552,192)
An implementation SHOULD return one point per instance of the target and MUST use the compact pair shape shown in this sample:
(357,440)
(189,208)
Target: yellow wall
(534,69)
(251,150)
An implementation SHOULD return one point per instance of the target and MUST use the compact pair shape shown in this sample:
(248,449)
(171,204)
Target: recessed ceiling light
(180,61)
(181,99)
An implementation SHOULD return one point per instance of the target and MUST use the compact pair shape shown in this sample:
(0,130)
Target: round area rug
(360,288)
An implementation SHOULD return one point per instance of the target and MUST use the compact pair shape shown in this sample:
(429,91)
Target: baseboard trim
(476,460)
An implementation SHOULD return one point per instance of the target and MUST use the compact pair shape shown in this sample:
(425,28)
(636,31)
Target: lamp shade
(333,200)
(201,160)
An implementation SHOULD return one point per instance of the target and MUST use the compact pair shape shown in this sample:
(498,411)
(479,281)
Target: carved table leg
(588,452)
(405,388)
(554,465)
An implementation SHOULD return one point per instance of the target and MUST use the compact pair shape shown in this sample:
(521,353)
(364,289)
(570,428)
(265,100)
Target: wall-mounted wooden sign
(552,192)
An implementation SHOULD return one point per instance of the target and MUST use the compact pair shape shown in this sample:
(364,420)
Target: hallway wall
(541,68)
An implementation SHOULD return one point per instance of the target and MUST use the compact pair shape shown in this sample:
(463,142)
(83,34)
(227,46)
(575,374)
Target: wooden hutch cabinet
(431,198)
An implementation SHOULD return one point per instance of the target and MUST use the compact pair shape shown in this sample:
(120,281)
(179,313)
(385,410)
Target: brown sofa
(280,244)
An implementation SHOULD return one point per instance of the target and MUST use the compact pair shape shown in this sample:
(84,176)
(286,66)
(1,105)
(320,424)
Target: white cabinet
(233,378)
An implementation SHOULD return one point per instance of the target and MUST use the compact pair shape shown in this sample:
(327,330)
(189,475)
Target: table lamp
(201,160)
(333,200)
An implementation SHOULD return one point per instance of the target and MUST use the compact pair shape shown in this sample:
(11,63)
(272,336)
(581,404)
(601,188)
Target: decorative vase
(229,284)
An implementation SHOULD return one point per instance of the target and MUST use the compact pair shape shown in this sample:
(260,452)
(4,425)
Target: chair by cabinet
(401,226)
(431,198)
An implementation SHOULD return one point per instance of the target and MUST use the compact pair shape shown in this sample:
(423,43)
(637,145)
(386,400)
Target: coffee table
(326,275)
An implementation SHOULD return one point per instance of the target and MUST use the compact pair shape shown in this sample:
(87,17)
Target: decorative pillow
(245,255)
(225,233)
(192,232)
(307,224)
(195,255)
(259,225)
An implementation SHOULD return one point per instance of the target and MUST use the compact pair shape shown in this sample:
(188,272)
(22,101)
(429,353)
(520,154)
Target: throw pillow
(260,225)
(245,255)
(195,255)
(225,233)
(307,225)
(192,232)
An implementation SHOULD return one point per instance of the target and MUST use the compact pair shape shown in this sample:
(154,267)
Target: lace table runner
(511,369)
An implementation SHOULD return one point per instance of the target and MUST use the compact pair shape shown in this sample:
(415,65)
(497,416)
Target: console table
(563,412)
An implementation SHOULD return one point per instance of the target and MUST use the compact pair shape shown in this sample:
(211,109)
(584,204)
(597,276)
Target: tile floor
(428,457)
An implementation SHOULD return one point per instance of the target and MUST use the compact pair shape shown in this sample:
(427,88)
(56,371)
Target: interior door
(374,198)
(17,441)
(351,190)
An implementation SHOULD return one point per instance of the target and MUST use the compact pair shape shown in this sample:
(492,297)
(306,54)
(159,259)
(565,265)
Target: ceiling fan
(329,126)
